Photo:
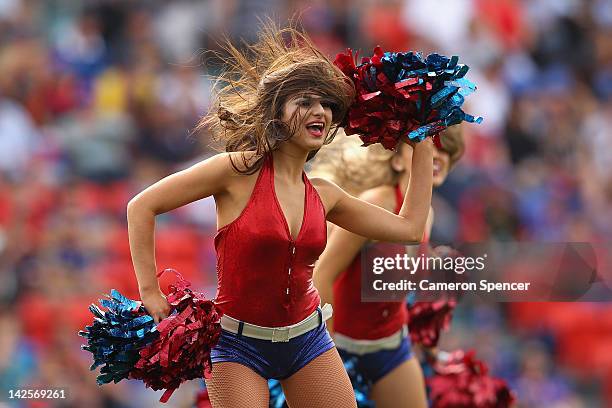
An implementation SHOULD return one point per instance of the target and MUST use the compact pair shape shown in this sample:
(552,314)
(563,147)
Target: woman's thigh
(321,383)
(235,385)
(403,387)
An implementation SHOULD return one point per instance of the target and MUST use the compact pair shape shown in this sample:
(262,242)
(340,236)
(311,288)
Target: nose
(317,109)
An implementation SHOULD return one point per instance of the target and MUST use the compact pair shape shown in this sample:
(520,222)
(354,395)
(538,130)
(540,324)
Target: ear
(396,163)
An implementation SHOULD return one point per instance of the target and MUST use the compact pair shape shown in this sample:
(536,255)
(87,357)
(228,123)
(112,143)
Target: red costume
(264,275)
(365,320)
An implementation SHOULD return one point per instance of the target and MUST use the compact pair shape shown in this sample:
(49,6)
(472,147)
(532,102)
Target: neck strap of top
(399,198)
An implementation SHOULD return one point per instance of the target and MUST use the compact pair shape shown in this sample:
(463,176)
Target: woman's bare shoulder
(382,196)
(241,161)
(221,170)
(237,176)
(228,163)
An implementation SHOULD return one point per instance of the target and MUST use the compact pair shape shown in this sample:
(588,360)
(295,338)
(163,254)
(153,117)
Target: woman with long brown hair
(281,100)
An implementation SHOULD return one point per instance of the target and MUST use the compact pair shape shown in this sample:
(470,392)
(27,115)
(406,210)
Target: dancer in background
(281,102)
(374,334)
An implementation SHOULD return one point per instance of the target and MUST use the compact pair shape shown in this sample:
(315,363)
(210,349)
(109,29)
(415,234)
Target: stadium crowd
(98,99)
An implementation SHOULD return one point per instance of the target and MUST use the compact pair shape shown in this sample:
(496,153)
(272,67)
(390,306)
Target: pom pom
(277,396)
(463,381)
(203,399)
(126,341)
(427,319)
(182,351)
(117,335)
(361,386)
(403,96)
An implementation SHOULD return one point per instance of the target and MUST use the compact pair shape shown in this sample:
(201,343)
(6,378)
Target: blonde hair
(248,105)
(356,168)
(353,167)
(452,143)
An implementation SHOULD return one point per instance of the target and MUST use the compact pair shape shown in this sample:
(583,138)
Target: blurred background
(98,100)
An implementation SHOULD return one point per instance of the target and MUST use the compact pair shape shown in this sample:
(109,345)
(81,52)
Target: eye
(305,103)
(442,150)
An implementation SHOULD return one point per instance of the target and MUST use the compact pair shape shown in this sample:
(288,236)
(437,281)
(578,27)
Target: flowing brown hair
(251,92)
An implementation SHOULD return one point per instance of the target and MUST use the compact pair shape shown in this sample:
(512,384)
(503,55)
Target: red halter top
(264,275)
(365,320)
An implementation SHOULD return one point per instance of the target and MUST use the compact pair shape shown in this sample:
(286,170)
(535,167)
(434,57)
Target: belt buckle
(280,335)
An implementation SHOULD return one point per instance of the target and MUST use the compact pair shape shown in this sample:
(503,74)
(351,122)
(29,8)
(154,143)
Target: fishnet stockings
(322,383)
(234,385)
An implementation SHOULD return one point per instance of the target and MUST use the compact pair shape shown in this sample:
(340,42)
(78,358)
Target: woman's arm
(341,249)
(373,222)
(206,178)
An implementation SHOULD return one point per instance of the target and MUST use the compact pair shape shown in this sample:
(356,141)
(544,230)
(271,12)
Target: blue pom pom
(117,335)
(403,94)
(442,108)
(449,89)
(277,397)
(361,386)
(411,298)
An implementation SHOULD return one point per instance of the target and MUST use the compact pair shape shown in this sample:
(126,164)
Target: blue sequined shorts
(279,360)
(374,366)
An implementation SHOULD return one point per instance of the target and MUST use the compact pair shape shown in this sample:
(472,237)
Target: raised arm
(376,223)
(204,179)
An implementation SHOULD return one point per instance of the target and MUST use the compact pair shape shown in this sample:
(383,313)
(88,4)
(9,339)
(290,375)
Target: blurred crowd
(99,98)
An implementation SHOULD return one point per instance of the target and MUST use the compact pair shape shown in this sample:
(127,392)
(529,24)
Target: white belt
(361,347)
(277,334)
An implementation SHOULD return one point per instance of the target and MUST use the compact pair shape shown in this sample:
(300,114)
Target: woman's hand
(156,304)
(409,143)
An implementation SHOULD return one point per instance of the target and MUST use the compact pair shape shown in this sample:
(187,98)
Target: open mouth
(316,128)
(437,167)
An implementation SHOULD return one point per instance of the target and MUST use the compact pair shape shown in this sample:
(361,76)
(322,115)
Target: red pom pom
(346,62)
(427,319)
(374,114)
(182,351)
(463,381)
(403,96)
(203,399)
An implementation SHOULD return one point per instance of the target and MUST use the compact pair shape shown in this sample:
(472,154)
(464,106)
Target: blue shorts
(270,360)
(374,366)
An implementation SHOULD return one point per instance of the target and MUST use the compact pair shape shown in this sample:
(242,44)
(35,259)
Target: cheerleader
(280,101)
(374,334)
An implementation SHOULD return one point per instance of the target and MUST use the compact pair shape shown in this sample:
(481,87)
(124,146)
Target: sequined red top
(264,275)
(365,320)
